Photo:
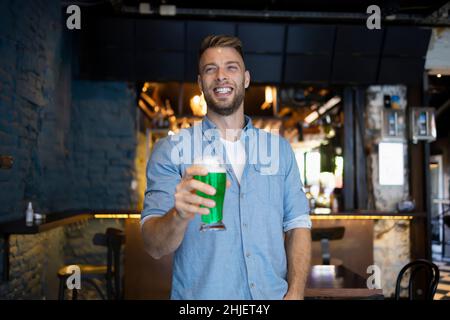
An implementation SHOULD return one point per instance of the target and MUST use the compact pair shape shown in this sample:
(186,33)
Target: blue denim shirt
(248,260)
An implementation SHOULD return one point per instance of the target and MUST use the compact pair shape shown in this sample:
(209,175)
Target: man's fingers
(200,186)
(228,183)
(193,209)
(195,171)
(197,200)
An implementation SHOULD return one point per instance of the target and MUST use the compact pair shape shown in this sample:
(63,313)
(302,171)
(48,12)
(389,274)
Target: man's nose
(221,75)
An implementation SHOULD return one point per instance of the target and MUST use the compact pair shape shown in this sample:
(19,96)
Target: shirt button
(245,225)
(252,285)
(247,254)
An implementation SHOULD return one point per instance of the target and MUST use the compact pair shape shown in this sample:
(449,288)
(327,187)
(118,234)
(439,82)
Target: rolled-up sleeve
(162,178)
(296,207)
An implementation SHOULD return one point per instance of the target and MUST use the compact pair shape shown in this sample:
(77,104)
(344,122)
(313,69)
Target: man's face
(223,79)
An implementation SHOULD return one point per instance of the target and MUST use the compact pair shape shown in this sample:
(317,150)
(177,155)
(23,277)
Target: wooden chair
(423,280)
(113,239)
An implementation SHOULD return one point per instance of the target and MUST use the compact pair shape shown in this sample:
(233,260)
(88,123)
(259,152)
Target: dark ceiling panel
(354,69)
(406,41)
(358,40)
(197,30)
(401,70)
(307,68)
(155,66)
(160,35)
(109,64)
(310,39)
(261,38)
(264,68)
(111,33)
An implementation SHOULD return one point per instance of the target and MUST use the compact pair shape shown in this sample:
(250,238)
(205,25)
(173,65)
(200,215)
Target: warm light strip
(111,216)
(313,217)
(349,217)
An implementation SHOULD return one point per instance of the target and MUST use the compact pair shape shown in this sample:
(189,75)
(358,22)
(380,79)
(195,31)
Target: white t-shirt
(236,155)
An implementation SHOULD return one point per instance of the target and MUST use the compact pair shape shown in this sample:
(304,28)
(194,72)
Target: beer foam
(213,164)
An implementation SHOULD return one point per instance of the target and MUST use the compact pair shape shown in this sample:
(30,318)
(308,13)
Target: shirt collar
(207,124)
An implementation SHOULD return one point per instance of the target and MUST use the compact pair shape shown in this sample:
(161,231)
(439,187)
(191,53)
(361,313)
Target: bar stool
(325,235)
(113,239)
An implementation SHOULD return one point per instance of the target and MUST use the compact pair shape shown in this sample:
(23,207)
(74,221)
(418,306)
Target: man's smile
(223,91)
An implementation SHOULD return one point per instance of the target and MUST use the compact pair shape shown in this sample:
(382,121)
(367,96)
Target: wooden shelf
(54,220)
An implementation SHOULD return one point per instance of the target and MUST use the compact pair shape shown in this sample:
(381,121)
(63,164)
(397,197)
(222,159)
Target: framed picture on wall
(393,124)
(423,124)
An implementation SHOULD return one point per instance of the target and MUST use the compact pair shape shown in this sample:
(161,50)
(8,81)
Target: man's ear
(246,79)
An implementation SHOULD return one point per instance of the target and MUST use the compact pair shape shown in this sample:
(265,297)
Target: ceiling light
(329,104)
(312,117)
(269,96)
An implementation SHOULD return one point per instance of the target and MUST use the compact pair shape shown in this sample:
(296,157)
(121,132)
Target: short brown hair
(214,41)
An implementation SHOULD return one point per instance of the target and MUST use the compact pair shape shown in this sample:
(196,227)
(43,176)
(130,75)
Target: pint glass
(216,177)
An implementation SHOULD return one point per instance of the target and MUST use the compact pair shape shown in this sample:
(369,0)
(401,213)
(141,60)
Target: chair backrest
(423,281)
(324,235)
(334,233)
(113,239)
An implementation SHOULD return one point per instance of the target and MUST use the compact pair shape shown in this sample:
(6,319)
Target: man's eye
(233,68)
(208,70)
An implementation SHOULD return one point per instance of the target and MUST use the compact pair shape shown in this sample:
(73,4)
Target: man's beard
(225,110)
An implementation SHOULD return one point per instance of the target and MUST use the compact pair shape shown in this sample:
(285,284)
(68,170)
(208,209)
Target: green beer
(217,178)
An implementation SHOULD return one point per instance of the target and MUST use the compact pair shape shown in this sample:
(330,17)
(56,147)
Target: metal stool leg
(325,251)
(62,287)
(74,294)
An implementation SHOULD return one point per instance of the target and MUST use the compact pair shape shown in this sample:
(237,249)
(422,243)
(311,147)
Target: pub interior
(365,110)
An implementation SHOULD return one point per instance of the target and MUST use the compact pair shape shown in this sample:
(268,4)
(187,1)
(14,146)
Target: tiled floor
(443,289)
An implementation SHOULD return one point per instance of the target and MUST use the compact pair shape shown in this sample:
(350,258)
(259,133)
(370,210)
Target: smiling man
(264,253)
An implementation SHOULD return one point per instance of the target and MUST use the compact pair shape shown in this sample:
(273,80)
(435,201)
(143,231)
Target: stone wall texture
(391,237)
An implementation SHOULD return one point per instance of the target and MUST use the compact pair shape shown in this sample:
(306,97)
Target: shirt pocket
(269,187)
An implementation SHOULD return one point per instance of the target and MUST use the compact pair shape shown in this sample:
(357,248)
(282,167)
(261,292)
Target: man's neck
(229,126)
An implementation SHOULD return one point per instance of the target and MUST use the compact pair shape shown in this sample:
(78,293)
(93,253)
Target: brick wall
(73,144)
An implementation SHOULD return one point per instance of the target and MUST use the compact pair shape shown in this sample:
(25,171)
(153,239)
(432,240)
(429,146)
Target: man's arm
(298,252)
(163,235)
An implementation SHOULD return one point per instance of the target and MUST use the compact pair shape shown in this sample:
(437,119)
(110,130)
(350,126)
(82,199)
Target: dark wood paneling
(145,277)
(355,250)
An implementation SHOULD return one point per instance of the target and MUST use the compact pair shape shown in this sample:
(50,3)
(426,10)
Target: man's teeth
(222,90)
